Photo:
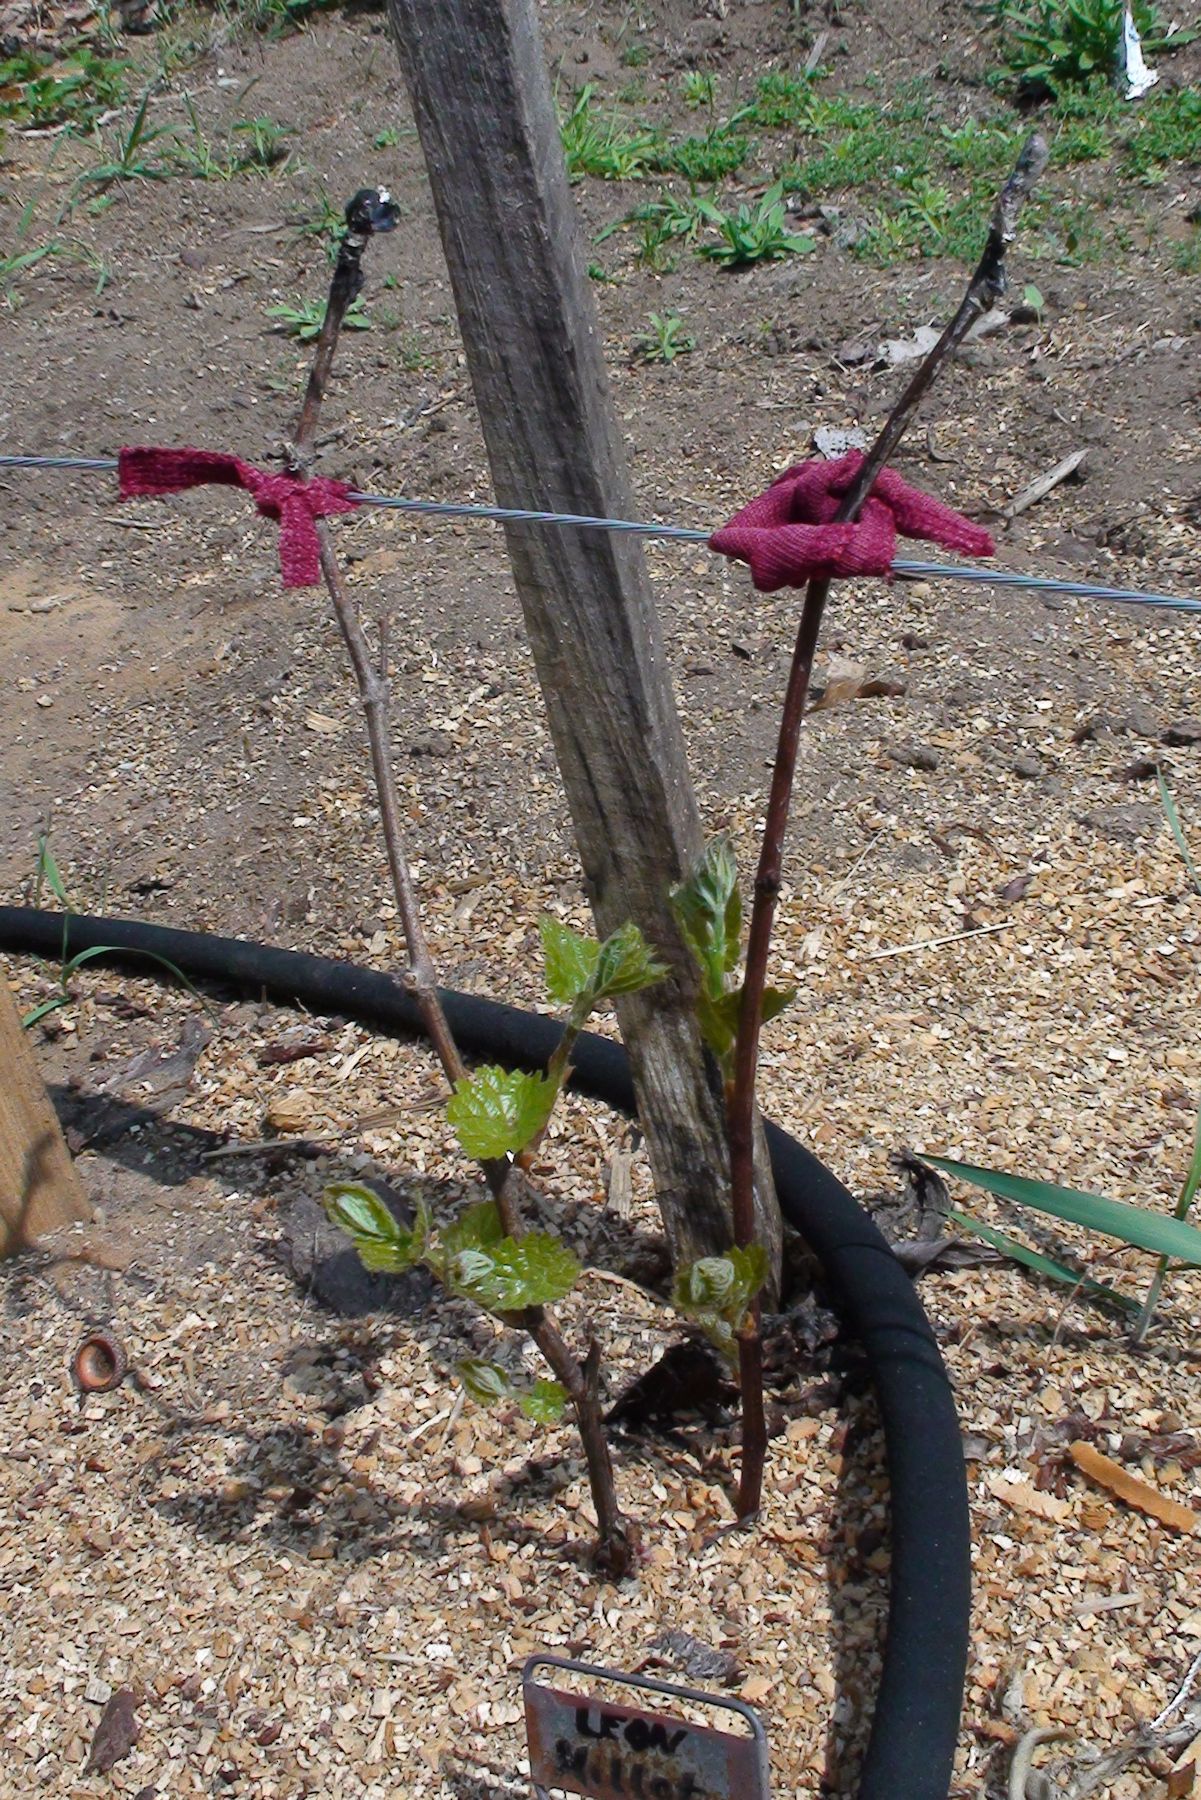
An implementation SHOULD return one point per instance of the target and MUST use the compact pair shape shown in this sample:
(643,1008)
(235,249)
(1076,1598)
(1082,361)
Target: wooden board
(39,1189)
(477,76)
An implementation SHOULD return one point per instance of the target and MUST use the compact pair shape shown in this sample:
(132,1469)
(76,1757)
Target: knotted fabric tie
(295,504)
(788,534)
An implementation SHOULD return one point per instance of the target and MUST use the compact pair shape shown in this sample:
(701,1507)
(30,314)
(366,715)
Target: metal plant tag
(605,1750)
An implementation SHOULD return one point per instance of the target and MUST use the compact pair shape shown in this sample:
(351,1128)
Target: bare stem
(371,210)
(374,695)
(986,286)
(617,1538)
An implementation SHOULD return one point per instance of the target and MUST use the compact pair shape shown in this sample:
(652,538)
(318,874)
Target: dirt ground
(317,1573)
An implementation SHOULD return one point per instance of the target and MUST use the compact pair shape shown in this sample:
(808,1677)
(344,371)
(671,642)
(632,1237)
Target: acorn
(99,1364)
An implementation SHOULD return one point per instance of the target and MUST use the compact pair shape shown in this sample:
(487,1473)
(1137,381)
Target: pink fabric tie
(788,534)
(294,503)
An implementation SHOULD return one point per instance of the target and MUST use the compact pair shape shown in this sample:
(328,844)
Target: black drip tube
(916,1720)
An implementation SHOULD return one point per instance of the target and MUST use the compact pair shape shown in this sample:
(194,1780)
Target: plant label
(607,1750)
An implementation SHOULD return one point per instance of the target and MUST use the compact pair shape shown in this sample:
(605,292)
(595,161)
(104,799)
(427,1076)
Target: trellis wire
(515,515)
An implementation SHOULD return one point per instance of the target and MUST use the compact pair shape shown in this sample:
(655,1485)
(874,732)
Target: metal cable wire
(454,509)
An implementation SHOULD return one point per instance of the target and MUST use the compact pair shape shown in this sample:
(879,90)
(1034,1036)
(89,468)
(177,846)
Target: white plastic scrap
(1134,77)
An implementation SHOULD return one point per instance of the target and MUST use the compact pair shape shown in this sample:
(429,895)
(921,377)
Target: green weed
(253,146)
(665,339)
(128,160)
(303,319)
(326,222)
(699,89)
(1186,258)
(601,147)
(1165,1235)
(1057,44)
(49,876)
(37,93)
(1167,130)
(1168,1236)
(716,156)
(752,236)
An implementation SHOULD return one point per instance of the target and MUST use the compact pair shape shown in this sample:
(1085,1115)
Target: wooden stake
(476,71)
(39,1189)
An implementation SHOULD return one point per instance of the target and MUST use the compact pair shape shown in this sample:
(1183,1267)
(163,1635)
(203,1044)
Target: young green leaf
(479,1228)
(497,1112)
(382,1243)
(708,910)
(48,871)
(570,959)
(1134,1225)
(625,964)
(535,1270)
(544,1402)
(484,1381)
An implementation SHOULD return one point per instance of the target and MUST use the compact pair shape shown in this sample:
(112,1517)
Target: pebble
(913,756)
(1028,767)
(1185,731)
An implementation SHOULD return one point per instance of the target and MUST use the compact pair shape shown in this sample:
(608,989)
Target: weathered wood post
(477,76)
(39,1189)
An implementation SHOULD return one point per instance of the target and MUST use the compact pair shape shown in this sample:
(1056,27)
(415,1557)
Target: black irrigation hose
(916,1720)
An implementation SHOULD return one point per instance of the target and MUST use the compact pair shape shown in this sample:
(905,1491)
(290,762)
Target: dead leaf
(1015,889)
(116,1734)
(894,351)
(997,1730)
(321,722)
(1022,1497)
(700,1661)
(835,440)
(1109,1474)
(290,1112)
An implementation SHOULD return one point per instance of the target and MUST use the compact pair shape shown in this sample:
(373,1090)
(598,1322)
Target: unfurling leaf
(708,1283)
(625,964)
(774,1001)
(544,1402)
(476,1229)
(715,1292)
(484,1381)
(718,1019)
(487,1383)
(580,972)
(570,960)
(382,1243)
(508,1276)
(708,910)
(497,1112)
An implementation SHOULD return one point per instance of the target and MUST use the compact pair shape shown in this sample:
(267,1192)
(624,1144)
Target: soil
(315,1570)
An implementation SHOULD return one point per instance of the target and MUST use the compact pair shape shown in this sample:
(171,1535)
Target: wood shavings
(1022,1497)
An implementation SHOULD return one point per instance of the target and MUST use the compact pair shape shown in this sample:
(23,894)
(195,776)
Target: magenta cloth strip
(294,503)
(788,535)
